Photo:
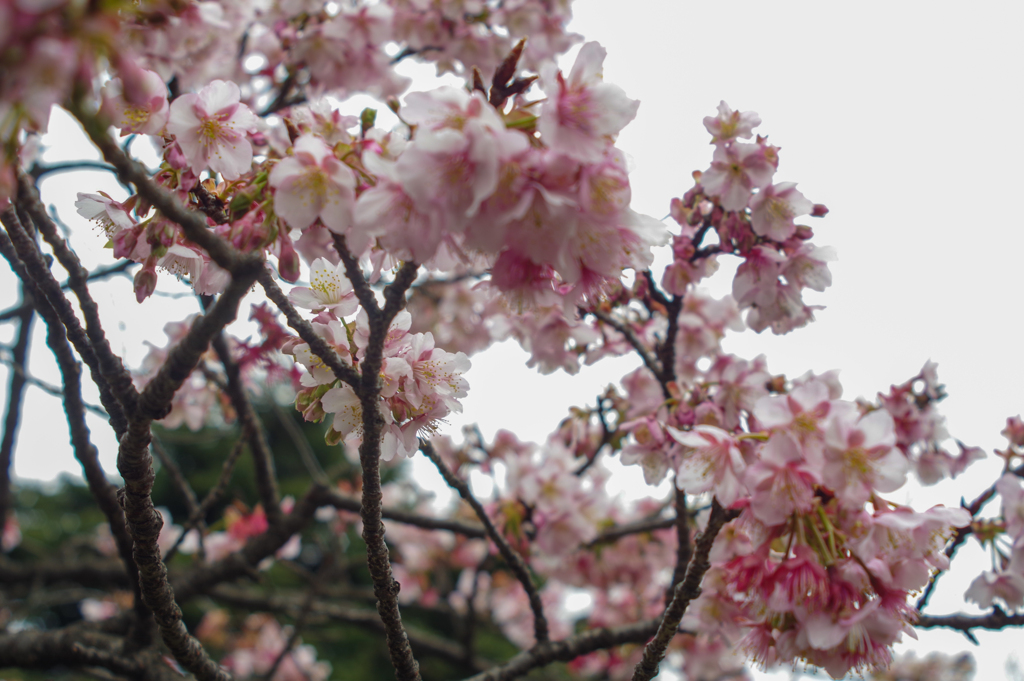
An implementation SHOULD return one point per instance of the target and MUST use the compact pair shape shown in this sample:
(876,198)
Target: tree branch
(15,393)
(347,503)
(385,588)
(37,274)
(111,366)
(568,649)
(514,560)
(995,620)
(685,591)
(252,428)
(649,360)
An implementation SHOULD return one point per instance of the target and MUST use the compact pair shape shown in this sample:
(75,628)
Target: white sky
(891,114)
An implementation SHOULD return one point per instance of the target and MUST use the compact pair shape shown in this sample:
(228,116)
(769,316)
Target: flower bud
(145,281)
(288,261)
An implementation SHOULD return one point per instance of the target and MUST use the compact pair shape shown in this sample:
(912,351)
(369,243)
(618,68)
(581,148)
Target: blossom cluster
(818,566)
(421,383)
(1005,582)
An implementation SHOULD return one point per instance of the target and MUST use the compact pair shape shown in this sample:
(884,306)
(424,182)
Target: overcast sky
(900,117)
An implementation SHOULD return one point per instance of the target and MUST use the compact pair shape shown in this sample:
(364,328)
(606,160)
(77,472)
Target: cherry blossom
(143,109)
(210,127)
(773,208)
(729,124)
(313,184)
(329,289)
(711,461)
(111,216)
(737,170)
(582,113)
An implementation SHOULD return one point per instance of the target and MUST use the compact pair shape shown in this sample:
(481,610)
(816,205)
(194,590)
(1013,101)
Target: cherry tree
(373,264)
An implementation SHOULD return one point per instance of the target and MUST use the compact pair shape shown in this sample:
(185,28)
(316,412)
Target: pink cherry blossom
(806,266)
(583,113)
(712,461)
(729,124)
(773,208)
(1007,586)
(737,170)
(782,481)
(144,110)
(861,457)
(313,184)
(1011,491)
(210,127)
(1014,431)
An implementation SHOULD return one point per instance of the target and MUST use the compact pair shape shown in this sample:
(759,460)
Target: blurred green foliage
(60,522)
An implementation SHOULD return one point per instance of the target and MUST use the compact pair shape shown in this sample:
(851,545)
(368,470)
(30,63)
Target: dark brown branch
(995,620)
(84,451)
(51,389)
(155,400)
(90,573)
(111,366)
(47,649)
(687,590)
(385,588)
(511,556)
(136,467)
(244,562)
(46,288)
(195,519)
(568,649)
(355,275)
(347,503)
(15,393)
(177,477)
(300,622)
(960,537)
(39,171)
(666,351)
(252,429)
(423,642)
(684,548)
(306,453)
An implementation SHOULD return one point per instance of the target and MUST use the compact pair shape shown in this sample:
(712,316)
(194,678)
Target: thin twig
(347,503)
(306,453)
(650,361)
(511,556)
(212,497)
(252,427)
(51,389)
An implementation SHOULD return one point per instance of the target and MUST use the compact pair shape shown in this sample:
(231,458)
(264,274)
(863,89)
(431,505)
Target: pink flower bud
(1014,431)
(124,243)
(288,261)
(820,210)
(176,157)
(145,281)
